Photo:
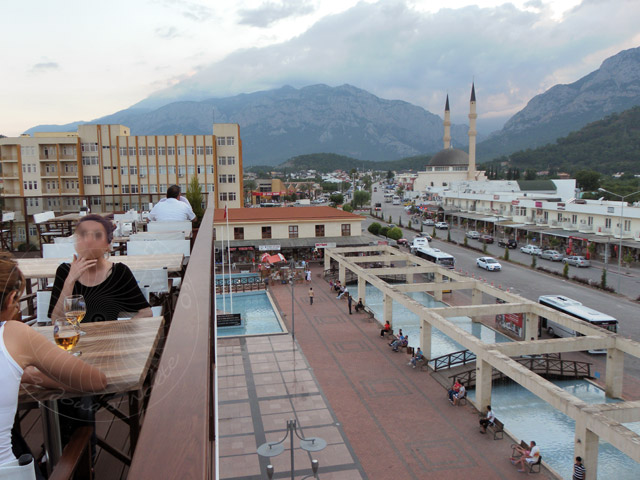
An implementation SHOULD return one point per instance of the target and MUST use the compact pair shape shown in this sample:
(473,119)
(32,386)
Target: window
(172,169)
(190,150)
(231,179)
(86,180)
(220,140)
(266,232)
(574,219)
(222,160)
(133,170)
(209,150)
(222,179)
(627,225)
(293,231)
(200,150)
(171,150)
(589,221)
(95,180)
(200,168)
(124,170)
(96,200)
(143,170)
(151,150)
(223,196)
(231,141)
(161,151)
(134,188)
(152,169)
(123,151)
(191,169)
(238,233)
(153,188)
(162,170)
(142,150)
(132,151)
(125,188)
(521,211)
(607,223)
(231,160)
(182,169)
(559,217)
(210,169)
(319,230)
(210,187)
(163,187)
(180,150)
(232,196)
(346,229)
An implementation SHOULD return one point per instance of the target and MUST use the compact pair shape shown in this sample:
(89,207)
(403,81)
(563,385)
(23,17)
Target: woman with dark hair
(109,289)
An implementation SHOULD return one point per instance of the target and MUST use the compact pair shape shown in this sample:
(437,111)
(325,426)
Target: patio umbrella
(278,257)
(264,258)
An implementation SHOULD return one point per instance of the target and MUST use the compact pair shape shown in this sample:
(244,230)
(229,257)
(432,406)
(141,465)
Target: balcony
(569,226)
(585,228)
(541,221)
(602,231)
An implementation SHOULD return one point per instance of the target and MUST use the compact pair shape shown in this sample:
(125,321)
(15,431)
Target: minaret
(471,173)
(447,125)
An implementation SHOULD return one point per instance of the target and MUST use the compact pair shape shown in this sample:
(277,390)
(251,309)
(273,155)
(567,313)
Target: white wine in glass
(75,310)
(66,336)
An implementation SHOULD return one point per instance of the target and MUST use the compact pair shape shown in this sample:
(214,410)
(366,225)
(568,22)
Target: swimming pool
(257,312)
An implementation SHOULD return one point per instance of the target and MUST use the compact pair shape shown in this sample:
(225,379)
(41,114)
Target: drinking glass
(75,309)
(66,335)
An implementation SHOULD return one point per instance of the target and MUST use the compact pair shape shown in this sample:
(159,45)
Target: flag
(225,211)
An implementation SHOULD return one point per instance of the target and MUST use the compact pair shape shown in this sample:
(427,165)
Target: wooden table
(123,351)
(46,267)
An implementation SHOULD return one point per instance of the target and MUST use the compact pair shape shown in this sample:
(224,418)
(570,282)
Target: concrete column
(614,371)
(530,326)
(387,304)
(342,274)
(437,278)
(483,385)
(586,447)
(327,261)
(425,338)
(362,289)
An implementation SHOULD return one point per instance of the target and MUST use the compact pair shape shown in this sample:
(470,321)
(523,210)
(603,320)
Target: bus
(436,256)
(388,197)
(577,310)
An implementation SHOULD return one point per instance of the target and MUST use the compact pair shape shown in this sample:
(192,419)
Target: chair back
(8,216)
(156,280)
(146,236)
(59,250)
(159,247)
(43,217)
(125,217)
(170,227)
(43,298)
(12,470)
(69,239)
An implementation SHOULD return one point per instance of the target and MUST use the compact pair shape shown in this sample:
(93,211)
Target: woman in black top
(109,289)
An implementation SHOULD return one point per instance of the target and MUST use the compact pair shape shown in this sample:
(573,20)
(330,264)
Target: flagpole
(224,300)
(229,257)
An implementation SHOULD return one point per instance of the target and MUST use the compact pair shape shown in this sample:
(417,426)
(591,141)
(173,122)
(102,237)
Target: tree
(374,228)
(390,175)
(384,231)
(347,208)
(337,198)
(400,191)
(360,198)
(194,195)
(394,233)
(530,174)
(588,180)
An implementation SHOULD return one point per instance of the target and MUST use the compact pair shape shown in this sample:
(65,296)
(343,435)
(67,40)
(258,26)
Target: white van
(397,200)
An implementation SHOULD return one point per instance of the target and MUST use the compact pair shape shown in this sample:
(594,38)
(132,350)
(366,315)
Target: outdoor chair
(6,230)
(155,226)
(47,230)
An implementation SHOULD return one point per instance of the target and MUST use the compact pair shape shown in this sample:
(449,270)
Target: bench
(497,427)
(515,453)
(532,466)
(462,399)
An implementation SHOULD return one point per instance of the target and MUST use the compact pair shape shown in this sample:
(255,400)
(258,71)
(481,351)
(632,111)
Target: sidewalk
(397,420)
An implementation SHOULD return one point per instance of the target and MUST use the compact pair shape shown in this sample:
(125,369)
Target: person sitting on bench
(386,329)
(418,356)
(453,390)
(459,394)
(530,456)
(397,340)
(359,306)
(337,286)
(343,290)
(403,342)
(488,420)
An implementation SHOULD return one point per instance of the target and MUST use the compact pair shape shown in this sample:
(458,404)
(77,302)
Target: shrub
(449,235)
(434,234)
(347,208)
(534,261)
(421,227)
(390,219)
(506,253)
(466,242)
(400,221)
(484,249)
(374,228)
(565,271)
(603,279)
(384,231)
(394,233)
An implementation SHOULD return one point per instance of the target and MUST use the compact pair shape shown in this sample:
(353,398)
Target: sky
(72,60)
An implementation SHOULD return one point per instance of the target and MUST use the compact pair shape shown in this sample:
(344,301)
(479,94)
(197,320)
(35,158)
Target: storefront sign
(496,197)
(268,194)
(326,245)
(609,209)
(268,248)
(515,202)
(561,206)
(538,204)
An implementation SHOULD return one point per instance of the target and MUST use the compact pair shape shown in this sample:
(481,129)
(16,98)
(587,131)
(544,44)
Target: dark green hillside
(328,162)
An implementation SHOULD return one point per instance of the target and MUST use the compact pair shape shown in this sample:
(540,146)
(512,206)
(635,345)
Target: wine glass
(66,335)
(75,309)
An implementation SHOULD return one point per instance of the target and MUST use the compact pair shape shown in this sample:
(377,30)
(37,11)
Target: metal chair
(47,230)
(6,230)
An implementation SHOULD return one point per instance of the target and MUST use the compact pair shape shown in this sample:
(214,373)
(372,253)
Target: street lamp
(621,197)
(273,449)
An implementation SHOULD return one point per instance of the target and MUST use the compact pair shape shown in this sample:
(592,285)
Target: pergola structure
(593,422)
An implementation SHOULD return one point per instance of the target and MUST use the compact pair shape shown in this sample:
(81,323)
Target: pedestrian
(308,276)
(310,295)
(578,470)
(349,300)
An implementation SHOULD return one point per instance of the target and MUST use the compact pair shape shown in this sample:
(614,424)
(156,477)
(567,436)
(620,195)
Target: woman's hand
(78,267)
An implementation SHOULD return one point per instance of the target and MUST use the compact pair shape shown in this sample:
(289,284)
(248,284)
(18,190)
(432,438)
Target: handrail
(187,365)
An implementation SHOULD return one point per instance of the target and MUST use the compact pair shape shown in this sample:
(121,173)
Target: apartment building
(112,170)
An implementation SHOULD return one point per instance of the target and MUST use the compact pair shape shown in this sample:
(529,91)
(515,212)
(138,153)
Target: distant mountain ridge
(613,88)
(276,125)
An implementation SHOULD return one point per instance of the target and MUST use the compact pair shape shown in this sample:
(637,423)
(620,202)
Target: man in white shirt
(172,209)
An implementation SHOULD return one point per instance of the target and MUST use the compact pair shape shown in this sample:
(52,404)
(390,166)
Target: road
(531,284)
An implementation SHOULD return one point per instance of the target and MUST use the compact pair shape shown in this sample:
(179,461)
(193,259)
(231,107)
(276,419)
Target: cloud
(190,10)
(167,33)
(44,67)
(271,12)
(396,52)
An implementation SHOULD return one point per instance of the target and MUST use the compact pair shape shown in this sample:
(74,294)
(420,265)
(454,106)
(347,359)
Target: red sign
(268,194)
(515,202)
(538,204)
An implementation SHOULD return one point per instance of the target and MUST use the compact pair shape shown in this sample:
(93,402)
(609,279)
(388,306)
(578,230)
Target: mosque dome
(449,157)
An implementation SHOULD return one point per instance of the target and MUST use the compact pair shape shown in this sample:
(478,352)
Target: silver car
(552,255)
(473,234)
(576,261)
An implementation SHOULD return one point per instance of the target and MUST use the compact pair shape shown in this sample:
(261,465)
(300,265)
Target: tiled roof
(281,214)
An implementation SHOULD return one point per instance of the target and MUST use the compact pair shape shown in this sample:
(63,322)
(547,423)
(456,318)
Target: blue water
(524,414)
(257,313)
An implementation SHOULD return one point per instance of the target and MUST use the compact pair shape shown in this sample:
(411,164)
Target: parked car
(375,189)
(552,255)
(428,222)
(378,207)
(509,243)
(404,242)
(576,261)
(531,249)
(442,225)
(424,235)
(473,234)
(489,263)
(391,225)
(486,238)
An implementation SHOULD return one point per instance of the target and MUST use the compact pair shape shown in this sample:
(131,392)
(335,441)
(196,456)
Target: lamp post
(273,449)
(621,197)
(293,281)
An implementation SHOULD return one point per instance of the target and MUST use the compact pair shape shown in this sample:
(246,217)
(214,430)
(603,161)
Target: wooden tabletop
(122,350)
(46,267)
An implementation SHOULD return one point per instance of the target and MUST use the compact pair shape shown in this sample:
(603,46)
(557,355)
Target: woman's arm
(77,268)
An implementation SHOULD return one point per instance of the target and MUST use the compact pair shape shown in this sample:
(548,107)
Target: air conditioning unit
(142,175)
(181,175)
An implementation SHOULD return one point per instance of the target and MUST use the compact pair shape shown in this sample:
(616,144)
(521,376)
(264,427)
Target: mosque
(452,165)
